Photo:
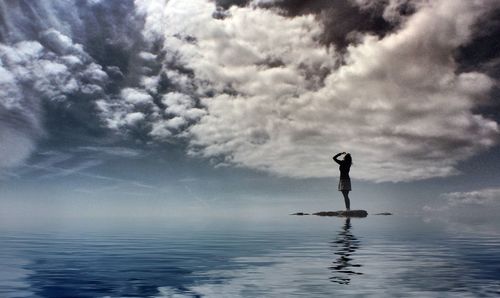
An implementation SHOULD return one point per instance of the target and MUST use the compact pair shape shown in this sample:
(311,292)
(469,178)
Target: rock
(343,213)
(300,213)
(384,213)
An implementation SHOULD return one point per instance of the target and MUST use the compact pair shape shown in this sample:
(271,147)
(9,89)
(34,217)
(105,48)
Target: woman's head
(348,158)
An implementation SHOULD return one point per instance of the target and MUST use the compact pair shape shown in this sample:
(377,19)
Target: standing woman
(345,180)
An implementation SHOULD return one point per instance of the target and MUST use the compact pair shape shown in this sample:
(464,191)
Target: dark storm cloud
(482,53)
(270,85)
(57,59)
(342,20)
(225,4)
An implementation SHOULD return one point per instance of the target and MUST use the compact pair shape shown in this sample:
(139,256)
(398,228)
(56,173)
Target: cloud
(482,204)
(480,197)
(131,108)
(57,59)
(77,169)
(182,105)
(112,151)
(135,96)
(15,146)
(83,162)
(488,197)
(133,118)
(343,21)
(283,102)
(19,117)
(30,74)
(473,211)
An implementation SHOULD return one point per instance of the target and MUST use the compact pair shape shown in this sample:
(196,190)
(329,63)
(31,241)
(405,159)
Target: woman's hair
(348,158)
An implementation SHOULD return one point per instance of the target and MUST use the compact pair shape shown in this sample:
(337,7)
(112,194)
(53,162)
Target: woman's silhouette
(345,180)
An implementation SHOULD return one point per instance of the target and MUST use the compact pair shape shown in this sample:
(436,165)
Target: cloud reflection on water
(309,257)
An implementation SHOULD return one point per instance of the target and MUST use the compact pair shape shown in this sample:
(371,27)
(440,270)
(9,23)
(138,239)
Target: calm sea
(289,256)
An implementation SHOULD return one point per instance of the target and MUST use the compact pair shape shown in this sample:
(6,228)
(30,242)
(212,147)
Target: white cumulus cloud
(487,196)
(467,211)
(481,201)
(277,100)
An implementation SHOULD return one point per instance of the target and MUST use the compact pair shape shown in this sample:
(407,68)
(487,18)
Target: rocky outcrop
(340,213)
(343,213)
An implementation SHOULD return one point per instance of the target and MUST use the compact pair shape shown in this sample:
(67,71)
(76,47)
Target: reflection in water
(170,259)
(344,245)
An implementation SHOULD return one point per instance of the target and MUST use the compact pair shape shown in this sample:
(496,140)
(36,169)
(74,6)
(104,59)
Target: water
(291,256)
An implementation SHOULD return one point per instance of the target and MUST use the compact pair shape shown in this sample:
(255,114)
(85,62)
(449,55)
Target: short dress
(345,180)
(344,184)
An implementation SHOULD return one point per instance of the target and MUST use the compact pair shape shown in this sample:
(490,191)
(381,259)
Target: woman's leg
(346,199)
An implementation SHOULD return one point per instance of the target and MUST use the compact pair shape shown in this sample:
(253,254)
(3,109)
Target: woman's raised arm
(337,155)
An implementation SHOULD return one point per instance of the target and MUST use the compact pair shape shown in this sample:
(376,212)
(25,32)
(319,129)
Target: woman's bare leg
(346,200)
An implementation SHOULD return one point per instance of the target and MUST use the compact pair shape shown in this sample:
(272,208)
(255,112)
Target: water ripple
(324,258)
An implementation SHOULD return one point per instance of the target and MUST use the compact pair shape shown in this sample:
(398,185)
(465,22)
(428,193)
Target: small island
(339,213)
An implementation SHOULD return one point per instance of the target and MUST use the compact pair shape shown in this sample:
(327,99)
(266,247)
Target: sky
(156,107)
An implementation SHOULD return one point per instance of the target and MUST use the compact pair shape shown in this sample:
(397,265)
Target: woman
(345,180)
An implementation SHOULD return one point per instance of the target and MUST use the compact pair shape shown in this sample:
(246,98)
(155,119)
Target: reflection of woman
(345,180)
(345,245)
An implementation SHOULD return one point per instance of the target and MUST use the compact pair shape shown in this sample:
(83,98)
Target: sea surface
(284,256)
